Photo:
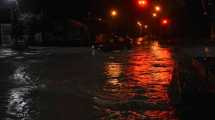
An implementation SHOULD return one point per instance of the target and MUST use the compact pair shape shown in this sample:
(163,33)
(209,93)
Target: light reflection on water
(21,104)
(22,101)
(138,89)
(113,70)
(7,53)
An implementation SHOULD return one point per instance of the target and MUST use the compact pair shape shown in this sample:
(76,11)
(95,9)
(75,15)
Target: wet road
(83,84)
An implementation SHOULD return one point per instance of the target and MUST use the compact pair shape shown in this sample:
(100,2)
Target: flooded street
(68,83)
(136,85)
(107,59)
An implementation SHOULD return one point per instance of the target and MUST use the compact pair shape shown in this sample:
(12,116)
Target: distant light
(99,19)
(139,23)
(206,50)
(205,13)
(164,21)
(139,40)
(114,13)
(154,14)
(139,43)
(146,26)
(157,8)
(142,3)
(155,46)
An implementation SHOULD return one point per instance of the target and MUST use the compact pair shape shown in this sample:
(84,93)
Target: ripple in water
(22,98)
(137,89)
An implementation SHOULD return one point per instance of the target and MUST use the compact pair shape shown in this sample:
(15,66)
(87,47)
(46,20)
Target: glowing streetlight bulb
(114,13)
(142,3)
(154,15)
(157,8)
(139,23)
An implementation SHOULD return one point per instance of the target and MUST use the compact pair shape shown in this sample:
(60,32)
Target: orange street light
(139,23)
(114,13)
(142,3)
(154,15)
(157,8)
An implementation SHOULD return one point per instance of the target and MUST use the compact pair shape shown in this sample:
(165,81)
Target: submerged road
(86,84)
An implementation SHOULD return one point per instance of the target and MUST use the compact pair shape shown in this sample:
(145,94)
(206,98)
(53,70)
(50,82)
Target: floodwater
(136,85)
(118,85)
(19,80)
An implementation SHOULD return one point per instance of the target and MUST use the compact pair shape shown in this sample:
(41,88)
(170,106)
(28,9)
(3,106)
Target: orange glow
(139,40)
(155,46)
(165,21)
(139,23)
(154,14)
(157,74)
(114,13)
(114,89)
(113,70)
(161,115)
(141,76)
(142,3)
(157,8)
(139,43)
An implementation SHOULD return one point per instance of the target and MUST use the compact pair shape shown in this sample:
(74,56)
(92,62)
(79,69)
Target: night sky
(188,14)
(79,8)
